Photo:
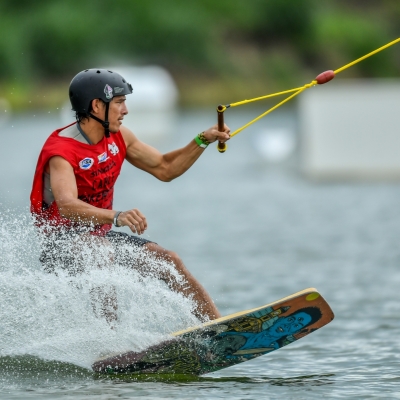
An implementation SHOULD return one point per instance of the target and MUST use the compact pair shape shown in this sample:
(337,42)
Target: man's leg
(104,303)
(103,298)
(71,252)
(189,287)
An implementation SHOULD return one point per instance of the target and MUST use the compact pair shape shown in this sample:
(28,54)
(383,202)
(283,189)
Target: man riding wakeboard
(73,186)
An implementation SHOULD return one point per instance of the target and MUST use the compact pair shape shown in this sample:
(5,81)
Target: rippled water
(251,232)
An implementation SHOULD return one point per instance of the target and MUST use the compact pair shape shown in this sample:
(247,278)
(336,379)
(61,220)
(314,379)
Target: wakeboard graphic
(229,340)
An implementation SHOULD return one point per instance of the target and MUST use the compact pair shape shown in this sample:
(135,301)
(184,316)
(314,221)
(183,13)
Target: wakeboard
(229,340)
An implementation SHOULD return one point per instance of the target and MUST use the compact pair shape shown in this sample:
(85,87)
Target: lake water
(251,232)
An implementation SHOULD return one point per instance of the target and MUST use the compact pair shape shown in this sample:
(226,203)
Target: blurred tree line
(216,50)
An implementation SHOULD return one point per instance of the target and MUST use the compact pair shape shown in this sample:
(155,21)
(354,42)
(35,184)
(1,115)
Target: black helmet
(93,84)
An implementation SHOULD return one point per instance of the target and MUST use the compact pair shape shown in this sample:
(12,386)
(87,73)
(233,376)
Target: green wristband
(200,142)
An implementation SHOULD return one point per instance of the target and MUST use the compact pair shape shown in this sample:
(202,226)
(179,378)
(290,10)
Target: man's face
(116,112)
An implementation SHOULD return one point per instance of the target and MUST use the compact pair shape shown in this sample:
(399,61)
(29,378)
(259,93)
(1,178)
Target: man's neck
(93,131)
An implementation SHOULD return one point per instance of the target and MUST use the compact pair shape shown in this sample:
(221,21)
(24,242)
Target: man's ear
(97,105)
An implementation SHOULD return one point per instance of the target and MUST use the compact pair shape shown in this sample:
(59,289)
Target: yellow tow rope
(322,78)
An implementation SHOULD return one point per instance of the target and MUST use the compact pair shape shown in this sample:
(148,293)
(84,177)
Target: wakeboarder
(73,186)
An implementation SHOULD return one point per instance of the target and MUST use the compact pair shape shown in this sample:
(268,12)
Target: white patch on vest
(72,132)
(86,163)
(114,150)
(102,157)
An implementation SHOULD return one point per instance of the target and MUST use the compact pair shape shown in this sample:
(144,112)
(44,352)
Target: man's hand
(213,134)
(134,219)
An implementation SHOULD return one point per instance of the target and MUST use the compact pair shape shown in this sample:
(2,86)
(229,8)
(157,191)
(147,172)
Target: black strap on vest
(105,124)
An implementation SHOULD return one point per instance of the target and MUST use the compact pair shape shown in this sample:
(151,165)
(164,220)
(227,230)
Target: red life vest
(96,168)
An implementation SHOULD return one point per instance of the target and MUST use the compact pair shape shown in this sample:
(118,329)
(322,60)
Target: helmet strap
(105,123)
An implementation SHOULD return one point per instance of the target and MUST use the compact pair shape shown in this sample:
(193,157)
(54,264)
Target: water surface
(251,232)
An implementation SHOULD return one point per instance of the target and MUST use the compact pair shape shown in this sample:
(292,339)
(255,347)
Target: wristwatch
(116,218)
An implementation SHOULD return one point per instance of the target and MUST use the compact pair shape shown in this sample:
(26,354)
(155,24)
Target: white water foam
(52,316)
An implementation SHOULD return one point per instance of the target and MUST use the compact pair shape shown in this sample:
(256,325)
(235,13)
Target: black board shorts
(60,251)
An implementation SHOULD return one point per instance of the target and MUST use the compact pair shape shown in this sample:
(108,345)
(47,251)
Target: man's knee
(164,253)
(169,256)
(174,257)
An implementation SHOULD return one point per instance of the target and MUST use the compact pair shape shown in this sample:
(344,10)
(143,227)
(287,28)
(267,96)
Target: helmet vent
(123,80)
(98,72)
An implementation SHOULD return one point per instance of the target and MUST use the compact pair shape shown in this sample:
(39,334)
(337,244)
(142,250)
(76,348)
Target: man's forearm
(78,211)
(179,161)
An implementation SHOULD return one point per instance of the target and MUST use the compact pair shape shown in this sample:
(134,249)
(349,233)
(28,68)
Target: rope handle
(220,111)
(322,78)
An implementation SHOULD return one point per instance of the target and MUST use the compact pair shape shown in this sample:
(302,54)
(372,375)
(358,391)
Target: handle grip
(220,111)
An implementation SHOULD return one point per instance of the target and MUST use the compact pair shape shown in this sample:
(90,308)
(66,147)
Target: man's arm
(169,166)
(65,191)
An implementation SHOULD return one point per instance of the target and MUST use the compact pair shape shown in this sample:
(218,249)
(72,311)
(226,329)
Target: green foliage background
(218,51)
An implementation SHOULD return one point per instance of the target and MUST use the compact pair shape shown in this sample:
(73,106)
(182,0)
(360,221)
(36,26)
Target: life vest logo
(108,91)
(102,157)
(114,150)
(86,163)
